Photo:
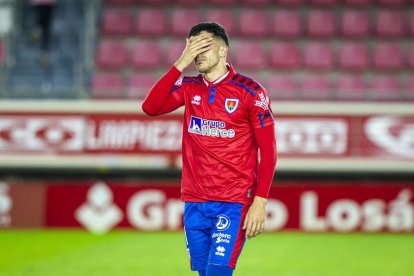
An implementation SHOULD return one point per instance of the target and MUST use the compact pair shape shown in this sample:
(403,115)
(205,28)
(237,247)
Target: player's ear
(223,51)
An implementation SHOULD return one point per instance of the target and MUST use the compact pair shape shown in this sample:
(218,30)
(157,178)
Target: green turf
(69,252)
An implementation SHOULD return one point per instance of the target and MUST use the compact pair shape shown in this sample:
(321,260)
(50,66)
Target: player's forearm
(159,94)
(268,157)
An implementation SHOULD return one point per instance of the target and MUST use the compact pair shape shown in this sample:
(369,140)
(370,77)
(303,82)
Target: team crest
(231,105)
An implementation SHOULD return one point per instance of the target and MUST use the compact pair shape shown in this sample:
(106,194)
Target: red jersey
(220,149)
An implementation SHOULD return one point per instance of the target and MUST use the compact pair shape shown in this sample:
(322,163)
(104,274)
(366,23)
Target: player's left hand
(255,217)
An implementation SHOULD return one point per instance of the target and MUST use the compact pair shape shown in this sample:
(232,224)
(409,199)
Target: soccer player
(227,122)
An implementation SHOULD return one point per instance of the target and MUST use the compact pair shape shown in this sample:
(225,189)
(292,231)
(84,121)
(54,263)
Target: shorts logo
(210,128)
(231,105)
(220,251)
(222,223)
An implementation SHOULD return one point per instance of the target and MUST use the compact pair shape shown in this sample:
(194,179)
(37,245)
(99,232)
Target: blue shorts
(214,233)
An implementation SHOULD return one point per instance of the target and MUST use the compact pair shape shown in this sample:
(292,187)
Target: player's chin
(202,69)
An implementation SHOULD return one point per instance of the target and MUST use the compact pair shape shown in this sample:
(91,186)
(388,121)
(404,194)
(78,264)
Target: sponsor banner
(22,205)
(386,136)
(333,206)
(133,134)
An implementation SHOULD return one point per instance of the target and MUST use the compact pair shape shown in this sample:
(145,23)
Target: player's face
(207,61)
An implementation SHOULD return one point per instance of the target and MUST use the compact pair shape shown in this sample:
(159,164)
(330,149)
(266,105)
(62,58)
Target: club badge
(231,105)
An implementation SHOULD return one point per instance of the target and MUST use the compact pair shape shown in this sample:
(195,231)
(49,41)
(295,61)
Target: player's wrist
(180,64)
(260,199)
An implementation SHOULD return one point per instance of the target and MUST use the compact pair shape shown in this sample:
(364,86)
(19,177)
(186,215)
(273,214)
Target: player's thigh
(197,233)
(227,235)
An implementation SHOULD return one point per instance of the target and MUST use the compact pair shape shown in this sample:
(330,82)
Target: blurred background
(78,155)
(77,151)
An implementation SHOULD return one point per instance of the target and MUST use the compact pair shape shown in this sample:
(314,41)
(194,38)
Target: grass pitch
(73,252)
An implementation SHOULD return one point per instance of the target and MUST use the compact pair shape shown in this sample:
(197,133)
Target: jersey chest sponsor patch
(211,128)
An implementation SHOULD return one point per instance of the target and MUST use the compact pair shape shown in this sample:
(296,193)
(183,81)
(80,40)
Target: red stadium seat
(226,3)
(182,20)
(175,49)
(387,56)
(224,18)
(291,2)
(392,3)
(353,56)
(355,23)
(189,2)
(351,88)
(153,2)
(411,24)
(315,87)
(358,2)
(281,87)
(250,55)
(253,23)
(318,55)
(286,24)
(409,88)
(150,22)
(386,88)
(2,52)
(111,55)
(117,22)
(256,3)
(410,56)
(138,85)
(146,55)
(119,2)
(321,23)
(106,85)
(324,2)
(284,56)
(389,24)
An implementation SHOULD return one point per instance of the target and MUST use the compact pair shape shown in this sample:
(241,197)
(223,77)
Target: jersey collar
(226,76)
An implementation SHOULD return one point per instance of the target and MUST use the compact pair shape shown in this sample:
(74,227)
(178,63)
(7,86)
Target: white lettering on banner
(312,136)
(147,210)
(346,215)
(5,205)
(126,135)
(42,133)
(276,215)
(392,134)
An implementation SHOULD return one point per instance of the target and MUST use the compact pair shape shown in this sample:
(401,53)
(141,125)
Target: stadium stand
(284,56)
(351,88)
(353,56)
(29,75)
(341,38)
(337,47)
(150,22)
(355,24)
(310,50)
(286,24)
(316,87)
(106,85)
(321,23)
(117,22)
(253,23)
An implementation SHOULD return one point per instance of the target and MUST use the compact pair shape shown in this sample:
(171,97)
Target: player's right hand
(194,46)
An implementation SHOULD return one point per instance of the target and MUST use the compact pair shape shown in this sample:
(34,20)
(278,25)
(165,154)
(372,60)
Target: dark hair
(210,27)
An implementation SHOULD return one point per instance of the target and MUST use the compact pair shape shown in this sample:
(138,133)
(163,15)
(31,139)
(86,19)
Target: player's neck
(217,72)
